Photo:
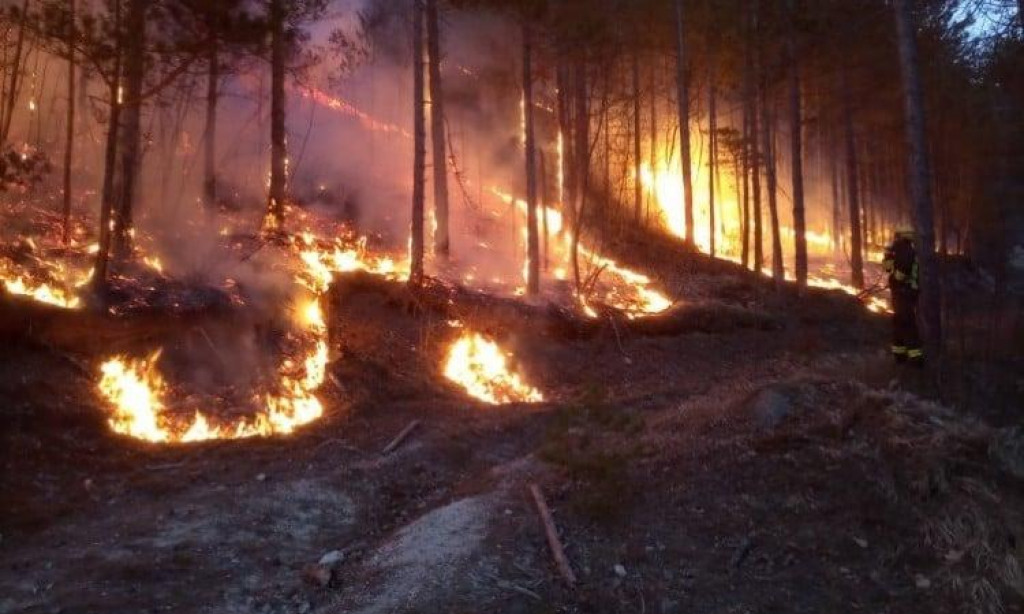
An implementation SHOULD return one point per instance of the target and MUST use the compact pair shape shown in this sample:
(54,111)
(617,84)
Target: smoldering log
(90,330)
(558,321)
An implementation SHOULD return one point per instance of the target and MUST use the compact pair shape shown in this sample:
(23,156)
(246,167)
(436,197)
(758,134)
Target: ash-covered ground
(782,468)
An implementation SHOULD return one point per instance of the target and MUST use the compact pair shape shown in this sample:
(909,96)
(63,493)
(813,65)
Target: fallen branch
(552,534)
(512,586)
(397,441)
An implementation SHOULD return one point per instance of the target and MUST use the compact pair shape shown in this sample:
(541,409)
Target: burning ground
(763,458)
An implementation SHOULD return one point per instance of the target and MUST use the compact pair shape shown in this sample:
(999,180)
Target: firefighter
(901,264)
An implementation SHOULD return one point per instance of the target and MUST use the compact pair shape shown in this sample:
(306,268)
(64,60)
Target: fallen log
(555,544)
(89,330)
(702,317)
(488,312)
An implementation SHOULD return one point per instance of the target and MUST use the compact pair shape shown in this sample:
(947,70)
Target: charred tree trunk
(69,143)
(12,92)
(745,160)
(653,157)
(755,157)
(99,278)
(566,170)
(920,176)
(853,192)
(278,137)
(638,186)
(131,130)
(416,242)
(768,134)
(581,149)
(712,154)
(544,200)
(442,242)
(797,151)
(210,144)
(684,121)
(837,225)
(532,243)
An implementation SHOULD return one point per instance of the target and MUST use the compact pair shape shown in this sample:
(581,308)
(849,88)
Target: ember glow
(481,368)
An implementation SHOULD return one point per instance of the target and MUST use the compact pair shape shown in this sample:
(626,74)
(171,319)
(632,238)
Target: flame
(480,367)
(345,107)
(628,291)
(54,288)
(136,392)
(664,182)
(323,259)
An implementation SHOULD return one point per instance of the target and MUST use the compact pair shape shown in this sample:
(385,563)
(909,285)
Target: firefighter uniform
(901,264)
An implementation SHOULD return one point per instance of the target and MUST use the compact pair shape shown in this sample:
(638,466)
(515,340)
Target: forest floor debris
(798,452)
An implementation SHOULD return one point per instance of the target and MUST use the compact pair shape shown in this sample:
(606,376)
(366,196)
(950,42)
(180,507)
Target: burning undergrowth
(254,360)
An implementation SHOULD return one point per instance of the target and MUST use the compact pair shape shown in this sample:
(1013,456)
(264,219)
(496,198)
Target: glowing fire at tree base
(136,393)
(481,368)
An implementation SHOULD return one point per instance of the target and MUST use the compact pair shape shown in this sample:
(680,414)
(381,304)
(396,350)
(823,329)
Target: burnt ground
(784,470)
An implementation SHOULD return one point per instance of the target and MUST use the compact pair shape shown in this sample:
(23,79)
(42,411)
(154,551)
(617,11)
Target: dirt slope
(784,470)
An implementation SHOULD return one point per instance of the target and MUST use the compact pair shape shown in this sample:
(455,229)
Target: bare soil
(784,470)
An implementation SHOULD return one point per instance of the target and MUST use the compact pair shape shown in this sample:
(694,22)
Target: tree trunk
(69,144)
(638,186)
(99,277)
(768,134)
(837,226)
(797,151)
(652,195)
(12,93)
(210,145)
(745,159)
(416,242)
(755,157)
(542,168)
(278,138)
(712,154)
(131,130)
(581,148)
(566,159)
(532,244)
(442,242)
(853,195)
(684,121)
(920,173)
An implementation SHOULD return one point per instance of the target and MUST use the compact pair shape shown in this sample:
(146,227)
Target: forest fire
(610,282)
(53,283)
(324,258)
(665,187)
(43,292)
(481,368)
(425,305)
(138,395)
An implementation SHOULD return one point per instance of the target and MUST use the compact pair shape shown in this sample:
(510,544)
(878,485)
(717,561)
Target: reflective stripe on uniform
(899,350)
(916,353)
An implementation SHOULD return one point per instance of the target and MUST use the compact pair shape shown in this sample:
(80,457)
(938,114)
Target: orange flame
(481,368)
